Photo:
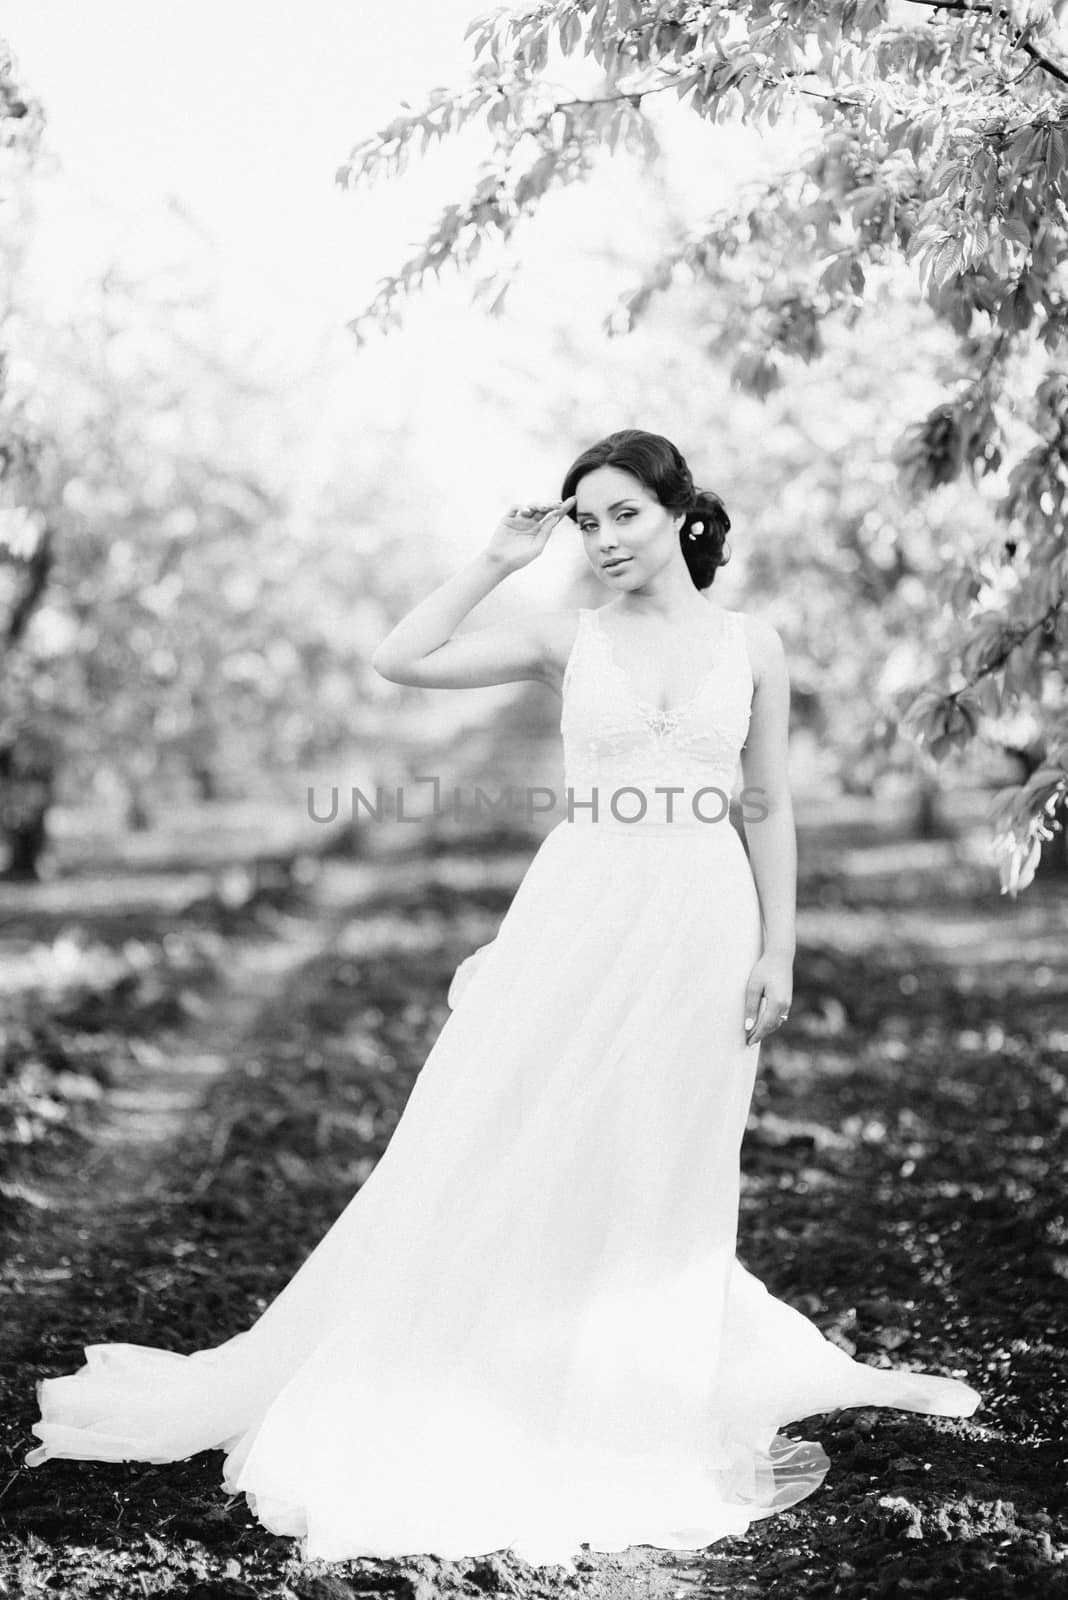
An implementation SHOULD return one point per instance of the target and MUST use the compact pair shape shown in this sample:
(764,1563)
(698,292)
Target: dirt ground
(183,1128)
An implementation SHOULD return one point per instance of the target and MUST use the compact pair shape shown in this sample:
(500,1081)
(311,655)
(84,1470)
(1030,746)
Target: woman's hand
(767,996)
(523,533)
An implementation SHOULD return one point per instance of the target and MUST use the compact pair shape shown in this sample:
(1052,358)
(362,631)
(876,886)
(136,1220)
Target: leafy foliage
(21,127)
(185,607)
(937,147)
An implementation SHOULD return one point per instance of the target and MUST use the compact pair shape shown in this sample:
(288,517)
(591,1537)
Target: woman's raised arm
(422,649)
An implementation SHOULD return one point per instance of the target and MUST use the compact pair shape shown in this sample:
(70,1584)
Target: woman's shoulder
(763,642)
(558,630)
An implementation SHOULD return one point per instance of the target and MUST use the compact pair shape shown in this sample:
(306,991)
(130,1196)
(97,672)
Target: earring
(697,528)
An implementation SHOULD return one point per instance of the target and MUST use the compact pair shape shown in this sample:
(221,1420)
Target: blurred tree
(210,605)
(193,574)
(938,142)
(27,765)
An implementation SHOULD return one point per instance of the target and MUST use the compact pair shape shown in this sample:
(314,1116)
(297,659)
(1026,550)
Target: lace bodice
(614,740)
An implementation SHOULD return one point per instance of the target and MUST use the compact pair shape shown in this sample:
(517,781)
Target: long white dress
(529,1329)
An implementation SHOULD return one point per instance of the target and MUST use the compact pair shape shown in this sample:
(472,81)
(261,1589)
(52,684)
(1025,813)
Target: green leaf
(947,261)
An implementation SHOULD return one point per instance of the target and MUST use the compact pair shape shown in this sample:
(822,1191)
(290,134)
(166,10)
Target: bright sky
(242,113)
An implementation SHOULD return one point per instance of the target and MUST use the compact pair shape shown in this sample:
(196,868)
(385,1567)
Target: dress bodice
(613,740)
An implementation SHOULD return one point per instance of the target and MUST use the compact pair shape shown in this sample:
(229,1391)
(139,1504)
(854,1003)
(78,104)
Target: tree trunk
(928,821)
(27,790)
(205,782)
(138,816)
(26,845)
(926,816)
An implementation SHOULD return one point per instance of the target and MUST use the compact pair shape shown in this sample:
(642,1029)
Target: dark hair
(656,463)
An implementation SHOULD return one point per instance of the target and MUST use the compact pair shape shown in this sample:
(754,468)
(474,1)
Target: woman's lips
(612,566)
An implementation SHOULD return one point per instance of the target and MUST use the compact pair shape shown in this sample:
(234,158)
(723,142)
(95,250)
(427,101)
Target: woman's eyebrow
(613,507)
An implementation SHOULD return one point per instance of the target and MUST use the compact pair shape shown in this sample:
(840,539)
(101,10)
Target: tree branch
(1019,43)
(1012,643)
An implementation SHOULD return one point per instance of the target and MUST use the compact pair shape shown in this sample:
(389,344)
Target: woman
(529,1329)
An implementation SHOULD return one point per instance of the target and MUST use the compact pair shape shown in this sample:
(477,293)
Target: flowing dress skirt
(528,1328)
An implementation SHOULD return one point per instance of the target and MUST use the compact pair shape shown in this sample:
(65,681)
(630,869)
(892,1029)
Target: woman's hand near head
(523,532)
(423,649)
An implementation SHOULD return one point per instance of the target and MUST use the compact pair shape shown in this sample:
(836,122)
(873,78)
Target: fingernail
(749,1022)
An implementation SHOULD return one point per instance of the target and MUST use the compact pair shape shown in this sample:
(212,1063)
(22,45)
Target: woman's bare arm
(421,649)
(772,840)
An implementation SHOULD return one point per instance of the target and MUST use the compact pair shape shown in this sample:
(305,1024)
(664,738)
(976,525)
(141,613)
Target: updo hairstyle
(657,464)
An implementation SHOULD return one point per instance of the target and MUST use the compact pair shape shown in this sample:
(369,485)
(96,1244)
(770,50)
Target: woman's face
(617,517)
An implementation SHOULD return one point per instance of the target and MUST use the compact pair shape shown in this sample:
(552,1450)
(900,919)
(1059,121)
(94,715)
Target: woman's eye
(591,527)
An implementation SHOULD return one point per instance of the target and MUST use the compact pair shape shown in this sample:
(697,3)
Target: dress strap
(582,628)
(736,638)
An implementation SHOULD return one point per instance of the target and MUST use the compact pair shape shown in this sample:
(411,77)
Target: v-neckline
(676,713)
